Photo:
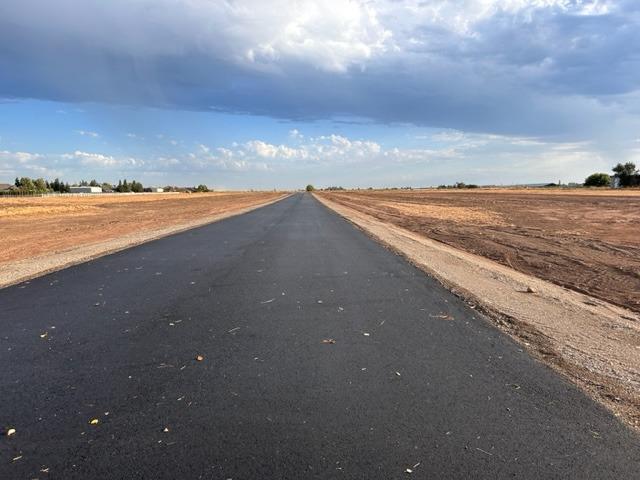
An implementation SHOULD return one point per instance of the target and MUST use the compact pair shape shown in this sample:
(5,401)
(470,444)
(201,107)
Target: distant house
(85,189)
(156,189)
(7,187)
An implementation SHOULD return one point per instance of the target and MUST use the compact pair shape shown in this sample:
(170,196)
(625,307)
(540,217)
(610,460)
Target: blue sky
(254,94)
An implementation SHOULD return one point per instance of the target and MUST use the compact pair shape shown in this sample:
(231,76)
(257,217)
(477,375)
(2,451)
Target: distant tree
(310,188)
(136,187)
(94,183)
(597,180)
(201,188)
(460,185)
(40,185)
(627,174)
(83,183)
(26,185)
(17,182)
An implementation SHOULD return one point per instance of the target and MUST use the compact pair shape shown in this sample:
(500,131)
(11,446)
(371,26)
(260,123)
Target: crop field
(588,241)
(38,226)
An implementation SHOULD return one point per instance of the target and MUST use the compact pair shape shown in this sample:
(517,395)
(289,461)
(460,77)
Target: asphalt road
(415,379)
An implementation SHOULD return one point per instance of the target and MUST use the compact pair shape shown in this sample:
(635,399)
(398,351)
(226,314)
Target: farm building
(157,189)
(7,187)
(85,189)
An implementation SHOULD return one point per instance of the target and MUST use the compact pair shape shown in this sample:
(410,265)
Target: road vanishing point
(283,343)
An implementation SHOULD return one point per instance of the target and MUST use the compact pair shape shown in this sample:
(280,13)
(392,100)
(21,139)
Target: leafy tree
(202,188)
(40,185)
(125,187)
(310,188)
(93,183)
(627,174)
(136,187)
(597,180)
(26,185)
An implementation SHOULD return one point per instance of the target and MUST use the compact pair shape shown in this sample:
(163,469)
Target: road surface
(415,379)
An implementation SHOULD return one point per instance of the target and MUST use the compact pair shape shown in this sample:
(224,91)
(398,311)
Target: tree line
(627,175)
(41,185)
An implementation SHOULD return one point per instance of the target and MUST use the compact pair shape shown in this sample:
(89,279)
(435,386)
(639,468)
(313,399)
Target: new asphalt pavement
(279,344)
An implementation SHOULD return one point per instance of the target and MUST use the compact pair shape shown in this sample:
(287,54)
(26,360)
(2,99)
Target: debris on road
(329,340)
(94,421)
(443,316)
(366,334)
(199,358)
(410,470)
(267,301)
(484,451)
(233,330)
(11,431)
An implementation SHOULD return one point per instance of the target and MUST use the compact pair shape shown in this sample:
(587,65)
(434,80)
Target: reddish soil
(583,240)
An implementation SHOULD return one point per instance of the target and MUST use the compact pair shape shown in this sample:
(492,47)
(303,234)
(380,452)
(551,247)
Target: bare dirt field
(588,241)
(36,229)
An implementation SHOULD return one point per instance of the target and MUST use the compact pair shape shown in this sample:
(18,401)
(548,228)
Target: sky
(242,94)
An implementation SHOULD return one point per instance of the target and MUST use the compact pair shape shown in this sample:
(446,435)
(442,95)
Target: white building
(85,189)
(157,190)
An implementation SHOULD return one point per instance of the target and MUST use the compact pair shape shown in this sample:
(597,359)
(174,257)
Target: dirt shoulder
(41,235)
(594,343)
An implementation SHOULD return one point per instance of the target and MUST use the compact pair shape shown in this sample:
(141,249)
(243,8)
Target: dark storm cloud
(526,70)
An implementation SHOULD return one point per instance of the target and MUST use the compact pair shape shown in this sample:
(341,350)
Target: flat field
(588,241)
(33,227)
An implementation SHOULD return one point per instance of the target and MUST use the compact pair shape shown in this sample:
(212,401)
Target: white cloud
(19,157)
(86,133)
(95,159)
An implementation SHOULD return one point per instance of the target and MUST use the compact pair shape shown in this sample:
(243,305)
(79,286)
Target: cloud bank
(566,69)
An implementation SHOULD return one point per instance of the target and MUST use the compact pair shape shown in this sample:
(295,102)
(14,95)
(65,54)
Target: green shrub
(597,180)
